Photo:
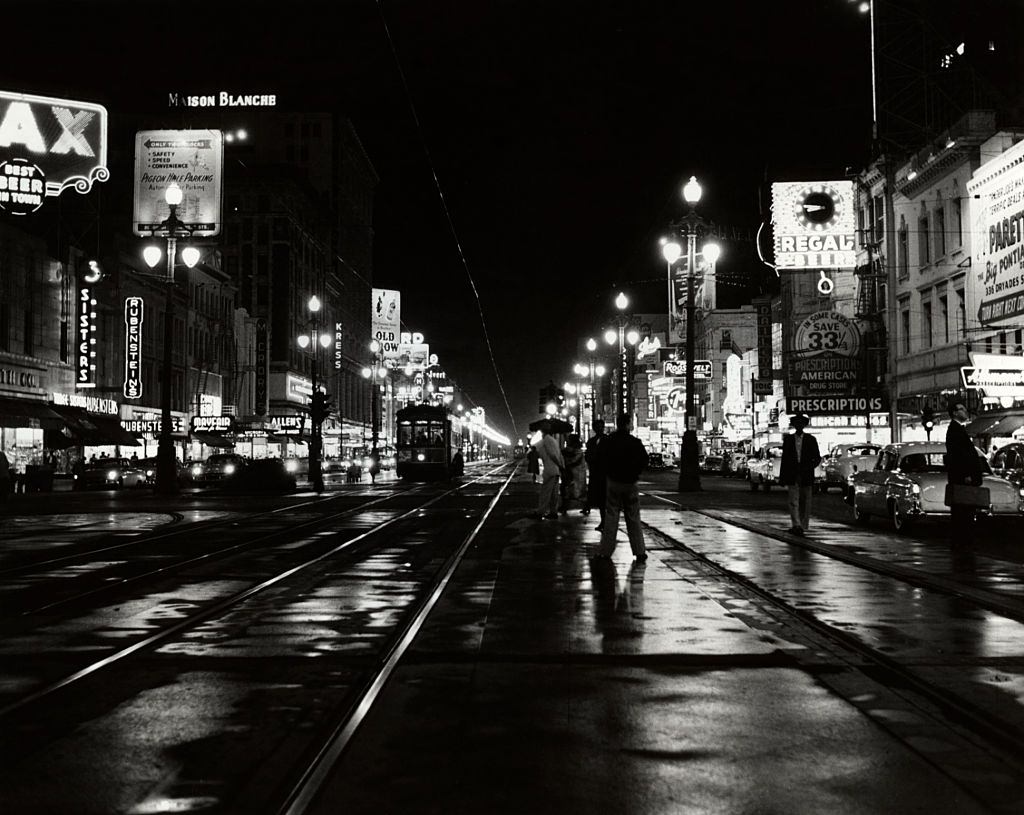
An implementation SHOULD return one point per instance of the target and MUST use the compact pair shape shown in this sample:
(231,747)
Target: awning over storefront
(212,440)
(983,425)
(24,413)
(1006,426)
(88,428)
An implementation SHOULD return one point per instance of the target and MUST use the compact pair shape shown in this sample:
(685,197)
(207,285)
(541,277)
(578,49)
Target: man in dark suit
(799,458)
(963,466)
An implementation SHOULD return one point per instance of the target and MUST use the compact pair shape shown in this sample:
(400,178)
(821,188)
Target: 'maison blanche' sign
(46,146)
(223,99)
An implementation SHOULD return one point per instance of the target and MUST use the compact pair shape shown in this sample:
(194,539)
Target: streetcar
(429,443)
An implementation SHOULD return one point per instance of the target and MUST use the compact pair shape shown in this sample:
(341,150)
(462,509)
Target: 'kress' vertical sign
(133,313)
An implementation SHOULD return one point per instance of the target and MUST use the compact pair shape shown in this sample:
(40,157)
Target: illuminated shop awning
(998,426)
(90,429)
(24,413)
(982,425)
(212,440)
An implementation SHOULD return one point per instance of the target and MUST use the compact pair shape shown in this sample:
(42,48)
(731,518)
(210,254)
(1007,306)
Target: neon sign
(133,314)
(48,145)
(85,349)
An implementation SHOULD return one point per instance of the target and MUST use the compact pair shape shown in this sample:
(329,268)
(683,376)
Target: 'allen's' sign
(48,145)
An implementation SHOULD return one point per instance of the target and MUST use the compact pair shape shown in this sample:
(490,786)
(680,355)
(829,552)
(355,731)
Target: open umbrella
(557,425)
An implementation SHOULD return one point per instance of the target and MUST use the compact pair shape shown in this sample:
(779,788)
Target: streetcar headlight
(291,466)
(420,457)
(228,469)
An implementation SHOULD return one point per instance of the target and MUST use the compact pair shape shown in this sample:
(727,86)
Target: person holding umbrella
(552,464)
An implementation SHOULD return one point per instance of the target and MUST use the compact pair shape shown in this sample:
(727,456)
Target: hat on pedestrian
(800,419)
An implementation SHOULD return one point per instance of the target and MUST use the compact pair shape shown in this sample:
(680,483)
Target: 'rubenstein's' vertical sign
(133,314)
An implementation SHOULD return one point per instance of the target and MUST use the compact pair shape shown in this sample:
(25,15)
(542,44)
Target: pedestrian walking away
(623,457)
(574,475)
(963,466)
(533,463)
(596,478)
(800,456)
(553,464)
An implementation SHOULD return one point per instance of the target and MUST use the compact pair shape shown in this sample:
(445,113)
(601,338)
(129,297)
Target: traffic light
(320,407)
(927,421)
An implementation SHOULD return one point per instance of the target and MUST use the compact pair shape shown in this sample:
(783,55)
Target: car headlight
(915,488)
(112,475)
(367,462)
(291,466)
(421,457)
(1020,492)
(228,469)
(197,470)
(149,473)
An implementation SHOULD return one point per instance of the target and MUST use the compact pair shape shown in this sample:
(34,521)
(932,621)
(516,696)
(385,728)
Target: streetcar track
(319,768)
(251,543)
(898,676)
(221,606)
(162,534)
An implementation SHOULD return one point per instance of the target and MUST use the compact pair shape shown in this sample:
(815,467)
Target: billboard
(813,225)
(46,146)
(386,321)
(192,159)
(997,224)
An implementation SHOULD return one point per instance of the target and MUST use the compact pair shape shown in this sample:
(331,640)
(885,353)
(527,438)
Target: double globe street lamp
(691,226)
(593,372)
(319,405)
(374,372)
(172,228)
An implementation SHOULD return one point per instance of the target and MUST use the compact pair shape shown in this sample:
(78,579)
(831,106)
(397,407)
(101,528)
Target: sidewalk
(545,683)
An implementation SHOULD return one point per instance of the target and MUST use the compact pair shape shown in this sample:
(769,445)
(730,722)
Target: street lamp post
(374,372)
(170,228)
(691,225)
(624,398)
(319,403)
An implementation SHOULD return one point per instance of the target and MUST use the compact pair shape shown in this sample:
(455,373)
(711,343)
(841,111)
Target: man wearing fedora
(799,458)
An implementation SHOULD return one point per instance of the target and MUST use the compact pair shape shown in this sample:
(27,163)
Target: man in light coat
(552,465)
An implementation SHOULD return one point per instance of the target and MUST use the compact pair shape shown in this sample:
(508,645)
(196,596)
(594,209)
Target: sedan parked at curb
(908,483)
(846,459)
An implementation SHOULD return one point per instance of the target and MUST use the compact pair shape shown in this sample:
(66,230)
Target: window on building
(988,344)
(5,327)
(1002,342)
(940,232)
(944,317)
(926,324)
(902,250)
(905,329)
(961,312)
(861,225)
(923,245)
(958,222)
(878,227)
(1017,347)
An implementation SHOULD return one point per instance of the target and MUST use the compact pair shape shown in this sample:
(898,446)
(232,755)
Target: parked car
(763,468)
(261,475)
(908,482)
(656,461)
(1008,462)
(736,465)
(148,466)
(846,459)
(111,473)
(712,463)
(217,468)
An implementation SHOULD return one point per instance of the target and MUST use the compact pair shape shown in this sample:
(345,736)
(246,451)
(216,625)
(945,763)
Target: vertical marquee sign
(763,307)
(260,409)
(46,146)
(85,333)
(133,314)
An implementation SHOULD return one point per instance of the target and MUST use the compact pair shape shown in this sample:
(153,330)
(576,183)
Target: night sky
(560,132)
